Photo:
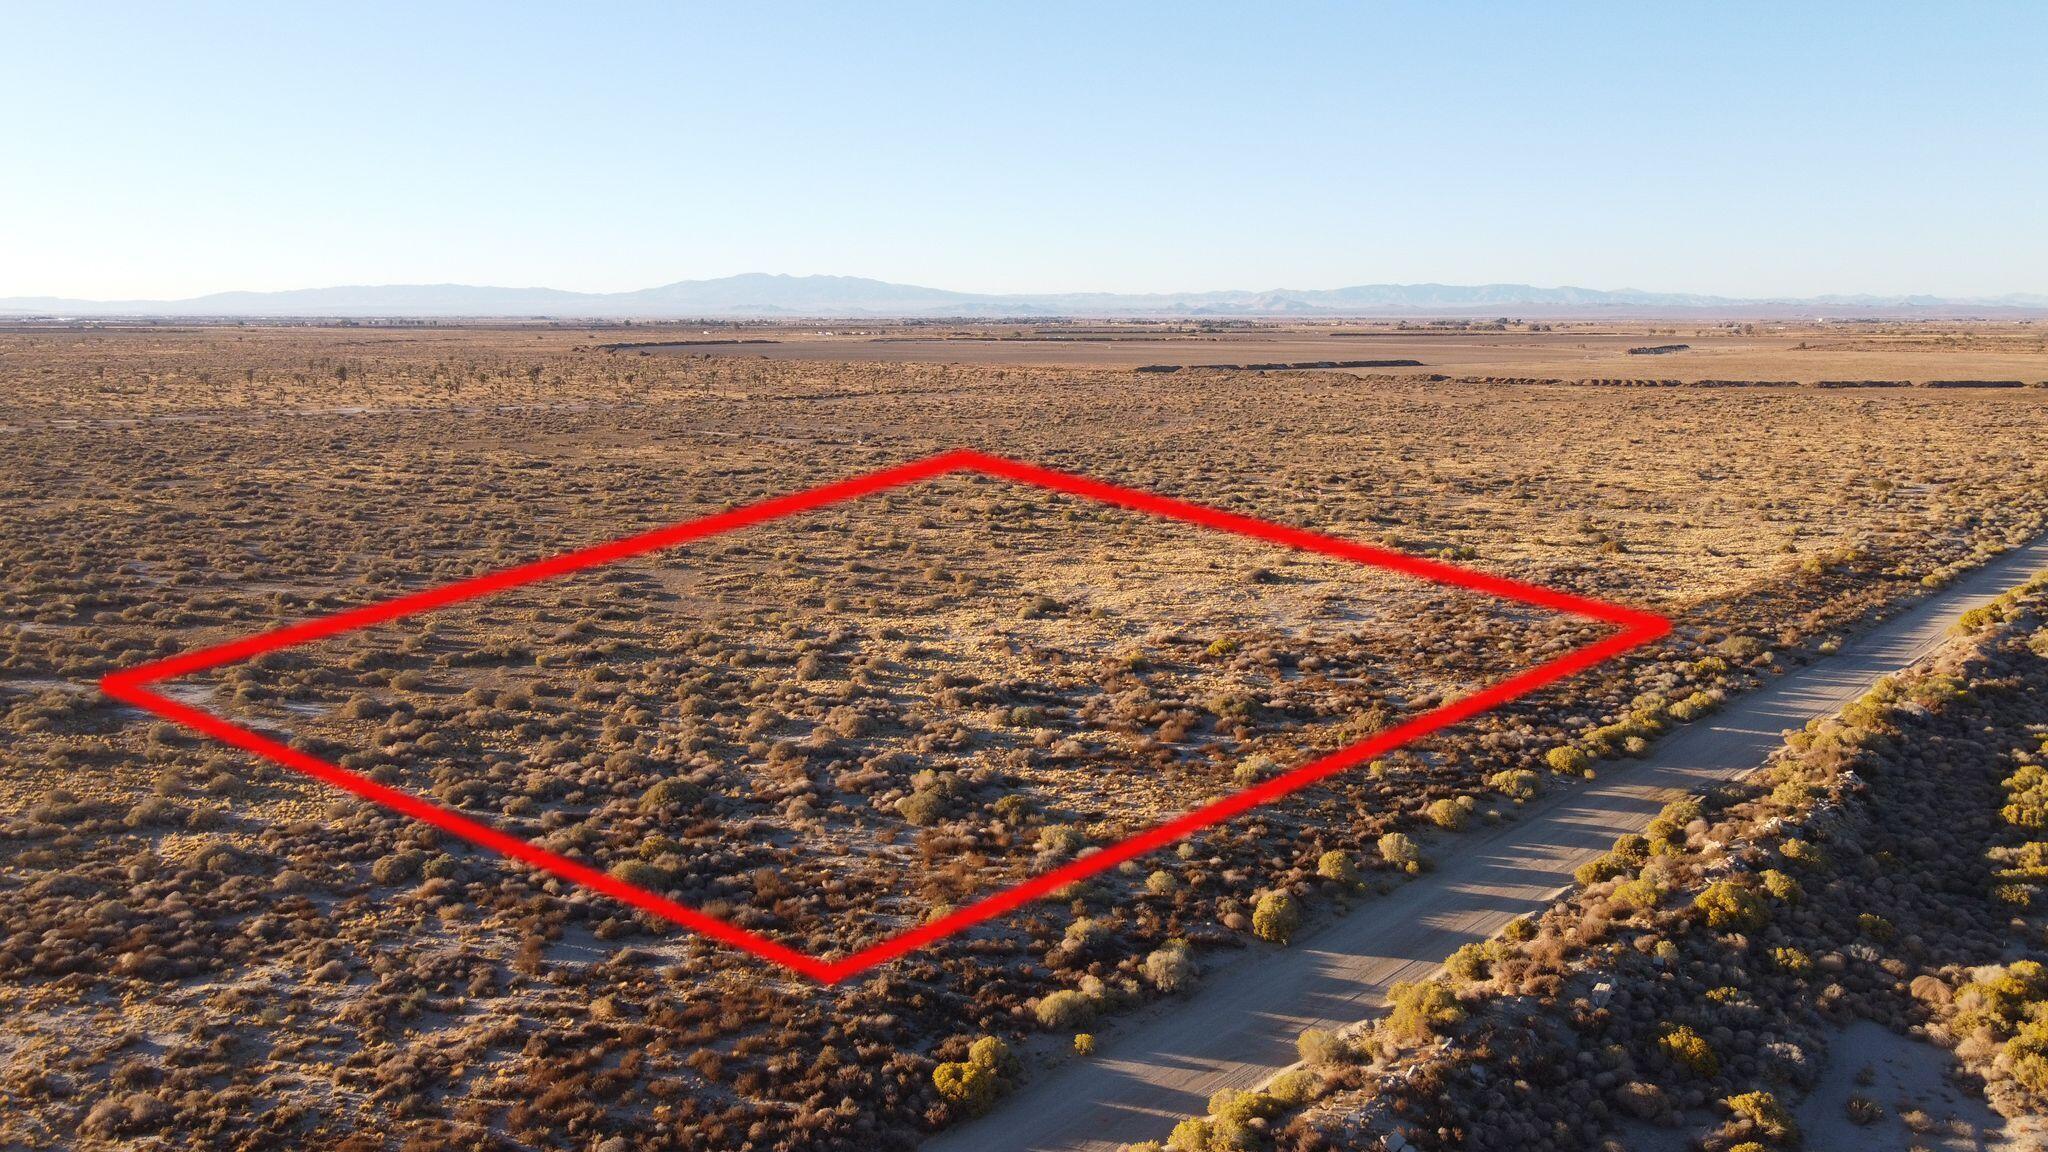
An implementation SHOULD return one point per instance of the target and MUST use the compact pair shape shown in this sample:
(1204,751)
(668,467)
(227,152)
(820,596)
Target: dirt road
(1239,1027)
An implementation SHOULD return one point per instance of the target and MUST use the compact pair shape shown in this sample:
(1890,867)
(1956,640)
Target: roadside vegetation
(1887,866)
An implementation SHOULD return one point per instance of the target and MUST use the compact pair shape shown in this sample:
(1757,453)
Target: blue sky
(1731,148)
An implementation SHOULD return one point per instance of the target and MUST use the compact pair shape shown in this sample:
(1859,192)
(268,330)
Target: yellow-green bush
(1422,1009)
(1567,761)
(1469,962)
(1065,1008)
(1318,1047)
(1276,917)
(1516,783)
(967,1086)
(1781,886)
(1731,906)
(1792,961)
(1763,1110)
(1640,895)
(2000,1002)
(2027,1054)
(1400,848)
(1689,1050)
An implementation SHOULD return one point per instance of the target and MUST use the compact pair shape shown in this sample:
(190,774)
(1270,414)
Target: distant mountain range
(766,296)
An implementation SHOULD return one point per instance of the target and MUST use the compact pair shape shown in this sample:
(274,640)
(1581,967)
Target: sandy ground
(1240,1027)
(1909,1080)
(1923,1110)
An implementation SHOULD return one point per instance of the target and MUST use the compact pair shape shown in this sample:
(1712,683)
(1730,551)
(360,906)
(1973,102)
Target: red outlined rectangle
(1633,629)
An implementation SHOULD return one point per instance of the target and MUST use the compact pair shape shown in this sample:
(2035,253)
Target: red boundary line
(131,685)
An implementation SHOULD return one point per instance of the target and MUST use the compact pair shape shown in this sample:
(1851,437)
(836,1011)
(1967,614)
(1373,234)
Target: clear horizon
(1190,292)
(1732,150)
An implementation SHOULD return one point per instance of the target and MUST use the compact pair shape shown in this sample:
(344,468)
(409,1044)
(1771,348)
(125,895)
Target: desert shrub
(1803,853)
(155,811)
(1253,769)
(1999,1000)
(640,873)
(1640,895)
(2027,1055)
(1400,848)
(1599,868)
(1276,917)
(1162,883)
(1978,619)
(1084,1044)
(1447,814)
(1516,783)
(967,1086)
(396,868)
(1064,1009)
(1469,962)
(990,1052)
(1731,906)
(1336,864)
(1421,1009)
(1781,886)
(1319,1048)
(1192,1135)
(670,793)
(1086,933)
(1172,968)
(1642,1099)
(1233,1111)
(1792,961)
(1568,761)
(1013,809)
(1741,649)
(1695,706)
(1060,839)
(925,807)
(1681,812)
(1709,667)
(1689,1050)
(1293,1089)
(2027,804)
(1763,1110)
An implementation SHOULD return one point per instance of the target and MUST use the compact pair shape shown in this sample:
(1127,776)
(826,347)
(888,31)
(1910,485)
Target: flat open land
(829,729)
(1569,351)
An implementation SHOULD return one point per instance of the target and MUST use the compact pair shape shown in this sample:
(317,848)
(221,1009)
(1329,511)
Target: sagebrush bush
(1276,917)
(1516,783)
(1763,1110)
(1171,968)
(1448,814)
(1318,1048)
(967,1086)
(1064,1009)
(1731,906)
(1689,1050)
(1568,761)
(1400,848)
(1422,1009)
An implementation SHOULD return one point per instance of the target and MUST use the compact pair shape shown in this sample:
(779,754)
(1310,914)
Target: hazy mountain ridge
(762,294)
